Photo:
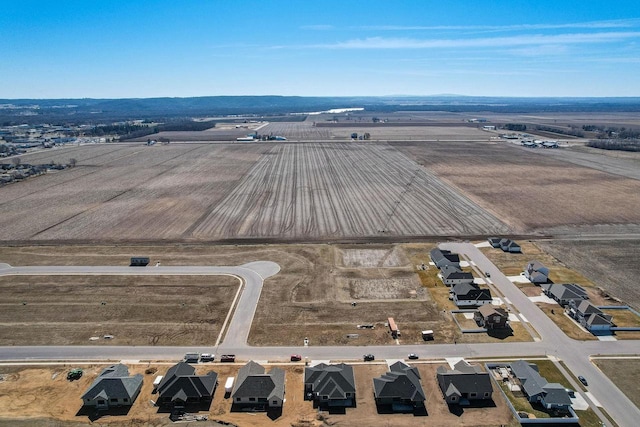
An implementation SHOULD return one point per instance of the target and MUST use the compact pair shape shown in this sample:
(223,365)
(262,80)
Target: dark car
(583,380)
(413,356)
(369,357)
(228,358)
(296,358)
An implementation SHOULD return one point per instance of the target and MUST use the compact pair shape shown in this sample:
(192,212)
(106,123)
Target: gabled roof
(441,255)
(556,394)
(565,291)
(489,310)
(451,272)
(114,382)
(536,266)
(585,307)
(253,381)
(331,380)
(180,381)
(464,378)
(598,319)
(402,382)
(532,382)
(467,291)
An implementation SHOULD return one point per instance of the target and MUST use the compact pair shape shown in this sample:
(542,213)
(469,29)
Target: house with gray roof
(330,385)
(469,295)
(564,293)
(180,386)
(536,272)
(538,389)
(451,275)
(508,245)
(494,241)
(113,387)
(441,258)
(258,389)
(464,383)
(590,316)
(400,388)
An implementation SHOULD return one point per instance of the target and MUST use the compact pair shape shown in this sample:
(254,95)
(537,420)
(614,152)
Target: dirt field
(341,190)
(136,310)
(612,265)
(625,379)
(530,192)
(44,394)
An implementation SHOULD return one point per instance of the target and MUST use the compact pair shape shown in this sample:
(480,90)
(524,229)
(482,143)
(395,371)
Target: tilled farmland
(229,191)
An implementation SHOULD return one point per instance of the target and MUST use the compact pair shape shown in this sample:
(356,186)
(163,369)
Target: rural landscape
(351,226)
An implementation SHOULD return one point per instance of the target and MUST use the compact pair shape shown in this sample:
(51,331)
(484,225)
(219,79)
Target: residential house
(451,275)
(538,389)
(443,258)
(464,383)
(508,245)
(536,272)
(257,389)
(180,386)
(590,316)
(491,317)
(399,388)
(563,293)
(494,241)
(466,294)
(330,385)
(113,387)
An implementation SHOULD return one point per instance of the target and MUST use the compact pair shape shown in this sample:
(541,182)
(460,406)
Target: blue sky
(138,48)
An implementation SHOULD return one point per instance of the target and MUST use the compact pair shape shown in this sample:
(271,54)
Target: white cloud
(486,42)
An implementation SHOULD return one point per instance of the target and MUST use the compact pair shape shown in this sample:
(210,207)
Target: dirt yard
(625,379)
(42,394)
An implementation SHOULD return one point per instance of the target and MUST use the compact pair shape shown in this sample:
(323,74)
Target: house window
(473,394)
(486,394)
(453,398)
(325,397)
(252,399)
(237,399)
(101,402)
(348,394)
(114,400)
(275,402)
(125,399)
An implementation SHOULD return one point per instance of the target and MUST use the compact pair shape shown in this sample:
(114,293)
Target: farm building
(536,272)
(256,389)
(565,293)
(465,294)
(590,316)
(442,258)
(451,275)
(113,387)
(537,389)
(400,388)
(490,317)
(464,383)
(330,385)
(180,386)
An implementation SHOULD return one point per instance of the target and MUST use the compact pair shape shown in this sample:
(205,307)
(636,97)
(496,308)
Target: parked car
(413,356)
(207,357)
(296,358)
(583,380)
(228,358)
(369,357)
(74,374)
(487,274)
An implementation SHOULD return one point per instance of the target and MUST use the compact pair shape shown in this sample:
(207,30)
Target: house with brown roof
(490,317)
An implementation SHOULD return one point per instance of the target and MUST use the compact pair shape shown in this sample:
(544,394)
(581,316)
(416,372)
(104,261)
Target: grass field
(625,379)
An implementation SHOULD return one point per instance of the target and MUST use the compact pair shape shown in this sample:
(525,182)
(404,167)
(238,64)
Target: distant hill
(109,110)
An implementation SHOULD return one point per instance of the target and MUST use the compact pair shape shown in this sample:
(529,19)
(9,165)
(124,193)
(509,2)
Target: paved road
(575,354)
(554,342)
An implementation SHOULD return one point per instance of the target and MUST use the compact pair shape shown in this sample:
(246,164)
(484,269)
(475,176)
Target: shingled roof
(333,381)
(253,381)
(114,382)
(402,382)
(180,383)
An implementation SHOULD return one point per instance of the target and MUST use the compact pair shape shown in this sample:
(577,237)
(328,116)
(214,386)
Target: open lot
(624,373)
(136,310)
(42,394)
